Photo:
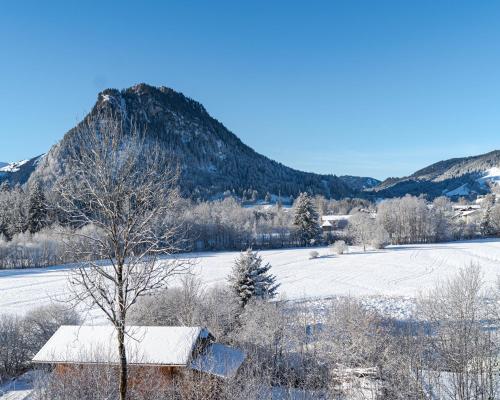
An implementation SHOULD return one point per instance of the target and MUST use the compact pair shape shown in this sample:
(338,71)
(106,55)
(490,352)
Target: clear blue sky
(378,88)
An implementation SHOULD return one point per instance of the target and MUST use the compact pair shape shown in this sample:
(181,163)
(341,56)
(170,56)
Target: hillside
(359,182)
(212,159)
(467,176)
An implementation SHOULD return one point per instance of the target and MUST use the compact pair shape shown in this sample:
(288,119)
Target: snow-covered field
(398,272)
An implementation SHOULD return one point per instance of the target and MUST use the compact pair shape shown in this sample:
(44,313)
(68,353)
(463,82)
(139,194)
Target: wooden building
(167,349)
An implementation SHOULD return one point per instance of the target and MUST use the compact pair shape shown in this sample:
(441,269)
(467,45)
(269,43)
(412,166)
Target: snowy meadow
(387,279)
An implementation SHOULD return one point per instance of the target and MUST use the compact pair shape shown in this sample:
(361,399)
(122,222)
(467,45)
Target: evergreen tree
(37,210)
(306,220)
(18,211)
(249,279)
(485,224)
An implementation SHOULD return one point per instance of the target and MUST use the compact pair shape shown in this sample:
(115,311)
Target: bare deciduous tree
(120,181)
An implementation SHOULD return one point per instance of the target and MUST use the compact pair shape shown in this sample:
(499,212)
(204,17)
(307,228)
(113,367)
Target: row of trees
(217,225)
(227,225)
(412,219)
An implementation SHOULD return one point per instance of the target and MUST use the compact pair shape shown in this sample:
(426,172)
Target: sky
(371,88)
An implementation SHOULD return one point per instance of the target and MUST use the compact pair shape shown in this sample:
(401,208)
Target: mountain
(18,172)
(212,159)
(467,176)
(359,183)
(3,164)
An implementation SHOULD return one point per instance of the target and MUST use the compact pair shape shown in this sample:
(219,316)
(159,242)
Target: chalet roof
(466,207)
(153,345)
(470,212)
(219,360)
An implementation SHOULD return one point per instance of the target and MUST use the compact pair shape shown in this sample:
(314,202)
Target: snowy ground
(387,279)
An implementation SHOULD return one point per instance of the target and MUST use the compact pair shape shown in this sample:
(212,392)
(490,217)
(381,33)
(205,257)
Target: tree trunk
(123,362)
(121,333)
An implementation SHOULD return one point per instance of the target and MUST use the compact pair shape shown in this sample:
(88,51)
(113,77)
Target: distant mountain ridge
(465,176)
(213,160)
(18,172)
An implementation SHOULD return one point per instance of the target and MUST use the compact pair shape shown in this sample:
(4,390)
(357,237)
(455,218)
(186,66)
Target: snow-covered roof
(470,212)
(219,360)
(153,345)
(335,217)
(466,207)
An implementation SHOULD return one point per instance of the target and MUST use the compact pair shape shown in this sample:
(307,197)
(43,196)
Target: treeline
(33,234)
(414,220)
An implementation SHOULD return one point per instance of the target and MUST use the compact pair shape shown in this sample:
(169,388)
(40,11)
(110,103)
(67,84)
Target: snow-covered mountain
(13,167)
(19,171)
(467,176)
(212,159)
(3,164)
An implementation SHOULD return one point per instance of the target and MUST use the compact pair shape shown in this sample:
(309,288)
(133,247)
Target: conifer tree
(306,220)
(485,225)
(37,210)
(250,280)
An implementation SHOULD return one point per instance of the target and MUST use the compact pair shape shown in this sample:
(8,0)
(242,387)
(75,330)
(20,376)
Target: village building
(330,223)
(167,349)
(469,213)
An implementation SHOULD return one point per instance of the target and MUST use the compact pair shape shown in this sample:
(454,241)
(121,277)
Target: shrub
(22,337)
(380,238)
(14,346)
(313,254)
(339,247)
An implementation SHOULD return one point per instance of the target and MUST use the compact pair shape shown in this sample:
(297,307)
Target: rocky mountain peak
(213,160)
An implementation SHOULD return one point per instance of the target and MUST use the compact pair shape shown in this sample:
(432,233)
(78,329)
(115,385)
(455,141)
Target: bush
(188,305)
(14,346)
(42,322)
(313,254)
(339,247)
(22,338)
(380,238)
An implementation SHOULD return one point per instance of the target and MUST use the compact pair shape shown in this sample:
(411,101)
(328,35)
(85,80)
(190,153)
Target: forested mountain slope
(212,159)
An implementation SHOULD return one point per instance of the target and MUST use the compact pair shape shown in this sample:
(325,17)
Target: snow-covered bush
(313,254)
(42,322)
(22,337)
(190,304)
(339,247)
(380,238)
(14,346)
